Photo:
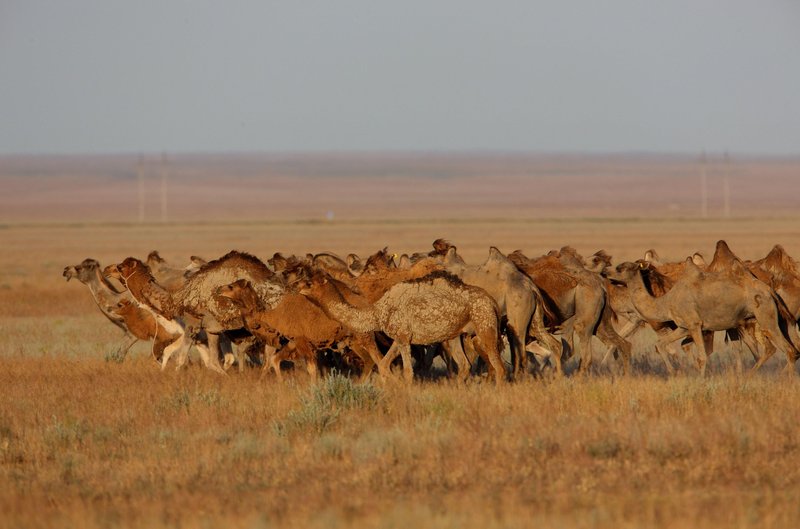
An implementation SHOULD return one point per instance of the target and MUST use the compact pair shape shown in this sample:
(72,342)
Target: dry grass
(89,443)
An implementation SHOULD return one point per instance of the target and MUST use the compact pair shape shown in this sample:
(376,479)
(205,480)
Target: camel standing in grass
(578,299)
(433,309)
(135,322)
(304,323)
(705,301)
(517,297)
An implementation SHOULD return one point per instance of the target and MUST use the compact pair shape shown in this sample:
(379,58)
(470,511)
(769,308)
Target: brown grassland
(86,442)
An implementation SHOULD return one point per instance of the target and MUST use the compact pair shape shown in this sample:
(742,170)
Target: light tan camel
(578,299)
(433,309)
(304,323)
(779,270)
(517,297)
(705,301)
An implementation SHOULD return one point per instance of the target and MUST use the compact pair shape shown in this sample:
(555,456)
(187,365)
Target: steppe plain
(91,443)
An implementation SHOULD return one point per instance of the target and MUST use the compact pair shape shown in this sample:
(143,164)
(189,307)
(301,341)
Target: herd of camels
(371,315)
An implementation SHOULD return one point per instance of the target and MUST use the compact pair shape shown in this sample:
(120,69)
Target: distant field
(90,443)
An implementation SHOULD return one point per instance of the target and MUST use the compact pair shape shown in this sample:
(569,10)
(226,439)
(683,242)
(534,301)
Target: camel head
(651,256)
(124,306)
(237,291)
(83,271)
(378,262)
(599,262)
(154,257)
(440,247)
(355,264)
(624,272)
(126,269)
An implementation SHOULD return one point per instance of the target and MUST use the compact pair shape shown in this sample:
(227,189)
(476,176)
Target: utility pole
(140,181)
(163,169)
(703,187)
(726,188)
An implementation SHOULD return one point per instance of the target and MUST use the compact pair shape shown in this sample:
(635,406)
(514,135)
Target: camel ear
(642,265)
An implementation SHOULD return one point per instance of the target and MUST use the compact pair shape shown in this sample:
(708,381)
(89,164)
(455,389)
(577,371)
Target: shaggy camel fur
(705,301)
(304,323)
(517,297)
(578,299)
(217,315)
(433,309)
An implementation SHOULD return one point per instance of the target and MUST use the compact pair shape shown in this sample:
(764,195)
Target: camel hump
(699,260)
(651,256)
(494,253)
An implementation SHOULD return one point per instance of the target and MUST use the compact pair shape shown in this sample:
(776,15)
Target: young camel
(196,302)
(136,322)
(297,319)
(705,301)
(144,326)
(136,277)
(433,309)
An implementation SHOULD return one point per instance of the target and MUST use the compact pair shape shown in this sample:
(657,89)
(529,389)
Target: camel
(196,300)
(578,299)
(168,276)
(433,309)
(148,294)
(779,270)
(144,326)
(517,297)
(297,319)
(136,323)
(701,301)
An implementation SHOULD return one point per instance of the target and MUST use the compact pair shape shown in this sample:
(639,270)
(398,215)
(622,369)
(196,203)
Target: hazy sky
(88,76)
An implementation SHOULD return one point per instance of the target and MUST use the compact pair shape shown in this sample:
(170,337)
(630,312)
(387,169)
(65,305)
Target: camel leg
(663,343)
(171,348)
(365,347)
(272,361)
(584,333)
(213,356)
(206,356)
(609,336)
(519,357)
(121,351)
(626,331)
(384,366)
(309,356)
(408,366)
(702,352)
(456,355)
(767,318)
(488,350)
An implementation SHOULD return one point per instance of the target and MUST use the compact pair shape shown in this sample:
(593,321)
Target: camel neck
(651,308)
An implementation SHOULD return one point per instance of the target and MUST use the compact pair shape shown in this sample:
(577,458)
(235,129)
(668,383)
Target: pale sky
(676,76)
